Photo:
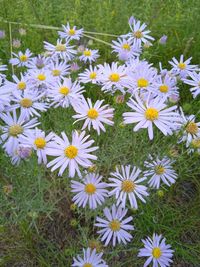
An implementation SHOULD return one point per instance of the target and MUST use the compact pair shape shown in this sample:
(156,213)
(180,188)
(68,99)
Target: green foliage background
(37,226)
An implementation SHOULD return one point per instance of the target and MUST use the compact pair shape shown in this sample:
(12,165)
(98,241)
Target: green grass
(37,226)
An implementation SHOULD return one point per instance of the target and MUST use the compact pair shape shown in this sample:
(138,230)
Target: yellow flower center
(151,114)
(93,75)
(60,47)
(156,252)
(159,169)
(114,77)
(126,47)
(192,128)
(40,142)
(182,66)
(87,53)
(16,129)
(90,189)
(115,225)
(92,113)
(56,72)
(23,58)
(138,34)
(87,265)
(128,186)
(196,143)
(26,102)
(163,88)
(142,83)
(21,85)
(64,90)
(71,152)
(41,77)
(71,32)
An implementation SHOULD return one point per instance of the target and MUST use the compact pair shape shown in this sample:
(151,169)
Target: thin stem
(11,50)
(40,26)
(96,39)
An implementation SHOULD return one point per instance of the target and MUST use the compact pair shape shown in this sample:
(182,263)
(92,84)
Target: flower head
(157,251)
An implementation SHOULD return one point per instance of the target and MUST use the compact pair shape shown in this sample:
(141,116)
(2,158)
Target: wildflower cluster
(45,82)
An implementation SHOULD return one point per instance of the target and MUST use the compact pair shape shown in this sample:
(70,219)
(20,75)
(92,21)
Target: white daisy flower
(195,82)
(138,35)
(91,75)
(125,49)
(29,103)
(90,259)
(21,59)
(71,154)
(14,129)
(157,251)
(90,191)
(115,226)
(22,153)
(160,170)
(94,115)
(155,112)
(89,55)
(60,50)
(190,128)
(142,78)
(20,84)
(38,141)
(182,67)
(194,146)
(39,62)
(59,69)
(165,86)
(40,78)
(70,33)
(127,184)
(65,93)
(113,77)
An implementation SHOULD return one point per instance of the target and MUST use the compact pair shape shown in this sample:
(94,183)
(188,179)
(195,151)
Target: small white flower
(37,140)
(20,84)
(125,49)
(70,33)
(157,251)
(21,59)
(60,50)
(194,146)
(91,190)
(90,75)
(14,129)
(190,128)
(141,78)
(127,184)
(182,67)
(71,154)
(59,69)
(113,77)
(22,152)
(39,79)
(138,35)
(39,62)
(94,115)
(29,103)
(195,82)
(90,259)
(115,226)
(89,55)
(165,86)
(160,170)
(65,93)
(155,112)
